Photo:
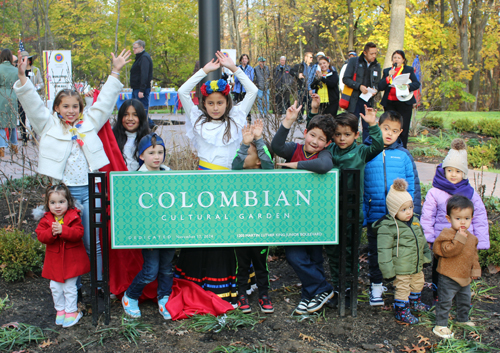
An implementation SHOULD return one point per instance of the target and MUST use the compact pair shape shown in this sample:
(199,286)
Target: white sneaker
(376,292)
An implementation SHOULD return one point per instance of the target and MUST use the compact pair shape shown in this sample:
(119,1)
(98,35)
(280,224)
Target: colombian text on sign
(230,208)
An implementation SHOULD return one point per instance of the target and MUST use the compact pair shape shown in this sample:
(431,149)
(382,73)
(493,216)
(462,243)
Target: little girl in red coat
(65,257)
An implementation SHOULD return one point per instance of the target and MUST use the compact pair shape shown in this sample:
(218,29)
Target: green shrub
(426,151)
(482,155)
(489,127)
(432,122)
(19,253)
(424,189)
(492,255)
(495,142)
(464,125)
(492,203)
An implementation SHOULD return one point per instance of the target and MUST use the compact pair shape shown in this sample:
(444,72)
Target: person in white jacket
(69,145)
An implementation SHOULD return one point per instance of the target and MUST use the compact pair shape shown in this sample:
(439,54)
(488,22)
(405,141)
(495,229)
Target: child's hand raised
(257,126)
(292,114)
(121,60)
(22,63)
(315,102)
(370,116)
(247,132)
(212,65)
(226,61)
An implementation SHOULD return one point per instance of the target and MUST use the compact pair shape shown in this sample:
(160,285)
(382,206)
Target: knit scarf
(462,188)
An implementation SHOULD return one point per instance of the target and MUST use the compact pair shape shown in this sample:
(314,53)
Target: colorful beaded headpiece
(210,87)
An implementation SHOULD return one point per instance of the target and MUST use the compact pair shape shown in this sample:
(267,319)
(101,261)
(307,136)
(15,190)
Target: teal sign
(223,208)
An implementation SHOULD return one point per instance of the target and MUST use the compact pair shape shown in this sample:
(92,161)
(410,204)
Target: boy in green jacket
(346,153)
(402,252)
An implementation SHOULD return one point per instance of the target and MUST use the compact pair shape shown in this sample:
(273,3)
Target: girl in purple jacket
(451,179)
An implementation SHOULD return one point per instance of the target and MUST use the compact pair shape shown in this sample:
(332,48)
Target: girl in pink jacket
(451,179)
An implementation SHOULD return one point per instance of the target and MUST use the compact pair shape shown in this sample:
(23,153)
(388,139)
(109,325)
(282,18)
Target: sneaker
(402,312)
(60,317)
(243,304)
(163,311)
(72,319)
(376,292)
(318,301)
(265,305)
(131,307)
(442,331)
(301,309)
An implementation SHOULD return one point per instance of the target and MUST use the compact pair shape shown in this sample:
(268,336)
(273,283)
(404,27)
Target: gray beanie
(457,157)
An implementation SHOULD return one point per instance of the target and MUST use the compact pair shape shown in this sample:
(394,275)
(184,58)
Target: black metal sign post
(98,219)
(209,33)
(349,231)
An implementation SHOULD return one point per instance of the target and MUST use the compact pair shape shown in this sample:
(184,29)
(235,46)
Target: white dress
(208,139)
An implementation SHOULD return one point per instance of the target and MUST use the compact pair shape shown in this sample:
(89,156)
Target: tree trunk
(117,24)
(234,12)
(397,30)
(350,23)
(249,31)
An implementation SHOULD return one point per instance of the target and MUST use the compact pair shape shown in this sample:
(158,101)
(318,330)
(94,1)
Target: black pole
(209,33)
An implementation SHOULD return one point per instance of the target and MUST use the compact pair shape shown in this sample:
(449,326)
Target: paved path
(173,132)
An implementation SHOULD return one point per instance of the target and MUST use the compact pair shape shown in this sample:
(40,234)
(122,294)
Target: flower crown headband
(210,87)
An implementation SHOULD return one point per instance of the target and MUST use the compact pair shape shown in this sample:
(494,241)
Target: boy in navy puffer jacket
(394,162)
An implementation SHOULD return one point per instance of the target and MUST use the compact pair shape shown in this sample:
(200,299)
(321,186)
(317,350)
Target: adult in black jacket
(368,74)
(326,85)
(283,85)
(141,75)
(390,101)
(301,73)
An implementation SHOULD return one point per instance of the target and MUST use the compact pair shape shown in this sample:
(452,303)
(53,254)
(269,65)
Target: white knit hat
(457,157)
(397,196)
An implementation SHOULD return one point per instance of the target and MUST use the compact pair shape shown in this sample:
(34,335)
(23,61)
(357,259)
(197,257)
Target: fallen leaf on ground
(475,336)
(287,300)
(236,343)
(274,279)
(363,258)
(305,337)
(493,269)
(486,296)
(47,343)
(417,348)
(403,323)
(11,324)
(423,339)
(407,349)
(271,258)
(386,308)
(31,274)
(379,345)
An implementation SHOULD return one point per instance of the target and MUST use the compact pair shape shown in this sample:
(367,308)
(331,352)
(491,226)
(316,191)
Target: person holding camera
(326,85)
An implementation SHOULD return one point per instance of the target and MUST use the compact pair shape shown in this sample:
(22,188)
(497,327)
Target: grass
(240,349)
(228,321)
(450,116)
(19,335)
(3,303)
(129,329)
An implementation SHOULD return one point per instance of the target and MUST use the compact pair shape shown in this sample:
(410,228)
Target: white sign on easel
(232,54)
(57,71)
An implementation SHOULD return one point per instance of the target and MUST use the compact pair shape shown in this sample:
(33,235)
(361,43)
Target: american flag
(418,72)
(21,45)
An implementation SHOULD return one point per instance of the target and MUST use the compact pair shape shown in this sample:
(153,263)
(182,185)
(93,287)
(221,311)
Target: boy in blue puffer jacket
(394,162)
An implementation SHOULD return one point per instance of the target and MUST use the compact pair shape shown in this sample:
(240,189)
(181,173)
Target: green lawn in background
(450,116)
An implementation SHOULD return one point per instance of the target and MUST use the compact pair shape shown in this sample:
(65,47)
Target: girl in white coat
(214,127)
(69,145)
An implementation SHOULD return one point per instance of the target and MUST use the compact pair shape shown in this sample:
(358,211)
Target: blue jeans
(157,264)
(81,194)
(263,102)
(145,102)
(12,137)
(307,262)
